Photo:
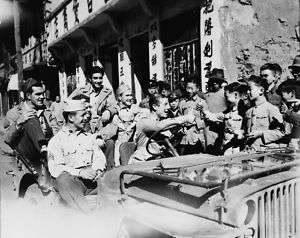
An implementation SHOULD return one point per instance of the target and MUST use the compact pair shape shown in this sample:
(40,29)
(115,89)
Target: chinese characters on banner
(210,35)
(72,14)
(156,65)
(124,63)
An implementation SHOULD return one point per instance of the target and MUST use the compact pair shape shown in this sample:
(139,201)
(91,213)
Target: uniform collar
(194,98)
(38,112)
(70,131)
(260,102)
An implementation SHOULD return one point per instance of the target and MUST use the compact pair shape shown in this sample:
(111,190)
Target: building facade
(137,41)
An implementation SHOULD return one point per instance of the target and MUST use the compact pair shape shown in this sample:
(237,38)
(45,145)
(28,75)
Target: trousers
(73,189)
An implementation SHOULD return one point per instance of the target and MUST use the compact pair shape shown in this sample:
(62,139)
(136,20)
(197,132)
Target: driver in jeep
(153,122)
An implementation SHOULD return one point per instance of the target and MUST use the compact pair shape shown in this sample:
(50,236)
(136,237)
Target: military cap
(73,106)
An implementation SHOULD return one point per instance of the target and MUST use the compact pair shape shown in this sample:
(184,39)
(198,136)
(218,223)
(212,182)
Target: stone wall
(256,32)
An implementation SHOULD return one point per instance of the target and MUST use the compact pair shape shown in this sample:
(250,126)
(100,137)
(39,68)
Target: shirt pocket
(262,122)
(69,150)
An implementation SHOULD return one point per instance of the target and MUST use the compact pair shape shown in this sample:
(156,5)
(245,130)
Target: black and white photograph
(150,118)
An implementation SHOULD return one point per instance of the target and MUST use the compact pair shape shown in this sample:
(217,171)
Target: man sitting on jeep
(155,121)
(75,159)
(30,124)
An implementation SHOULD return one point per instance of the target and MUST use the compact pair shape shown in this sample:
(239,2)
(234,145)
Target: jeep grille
(276,210)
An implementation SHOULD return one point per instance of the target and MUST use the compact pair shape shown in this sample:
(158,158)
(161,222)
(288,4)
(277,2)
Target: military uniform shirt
(70,151)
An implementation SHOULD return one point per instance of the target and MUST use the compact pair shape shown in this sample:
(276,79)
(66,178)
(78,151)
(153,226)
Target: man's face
(165,92)
(296,73)
(97,80)
(269,75)
(37,96)
(255,91)
(153,90)
(231,97)
(174,104)
(162,109)
(126,98)
(191,89)
(79,119)
(213,87)
(57,99)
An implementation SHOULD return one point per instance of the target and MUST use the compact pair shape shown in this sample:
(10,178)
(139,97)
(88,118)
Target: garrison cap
(73,106)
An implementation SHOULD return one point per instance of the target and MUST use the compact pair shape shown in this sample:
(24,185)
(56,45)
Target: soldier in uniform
(125,119)
(103,109)
(264,122)
(229,122)
(151,123)
(30,124)
(272,73)
(194,140)
(76,165)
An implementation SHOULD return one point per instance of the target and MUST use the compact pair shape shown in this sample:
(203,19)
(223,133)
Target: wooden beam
(70,45)
(115,25)
(88,35)
(149,9)
(54,51)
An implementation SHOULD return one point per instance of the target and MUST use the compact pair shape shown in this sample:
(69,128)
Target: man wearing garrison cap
(103,108)
(75,158)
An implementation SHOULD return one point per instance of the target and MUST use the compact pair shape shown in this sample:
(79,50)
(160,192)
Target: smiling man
(153,122)
(75,166)
(30,124)
(103,108)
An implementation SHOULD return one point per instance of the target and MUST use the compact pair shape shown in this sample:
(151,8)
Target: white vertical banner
(124,64)
(63,85)
(80,77)
(156,58)
(210,37)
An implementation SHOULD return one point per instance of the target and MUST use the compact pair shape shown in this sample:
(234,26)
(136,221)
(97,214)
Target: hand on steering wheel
(165,141)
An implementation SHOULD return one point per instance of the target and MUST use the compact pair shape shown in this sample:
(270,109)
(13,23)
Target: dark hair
(193,79)
(244,88)
(176,94)
(162,85)
(154,100)
(96,69)
(286,86)
(233,87)
(259,81)
(274,67)
(153,84)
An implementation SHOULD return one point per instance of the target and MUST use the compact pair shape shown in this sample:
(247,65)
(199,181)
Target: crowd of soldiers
(95,130)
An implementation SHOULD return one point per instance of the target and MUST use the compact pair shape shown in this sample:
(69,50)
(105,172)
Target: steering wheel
(158,138)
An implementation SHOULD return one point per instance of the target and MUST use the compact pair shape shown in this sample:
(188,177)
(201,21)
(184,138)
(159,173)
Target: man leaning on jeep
(75,158)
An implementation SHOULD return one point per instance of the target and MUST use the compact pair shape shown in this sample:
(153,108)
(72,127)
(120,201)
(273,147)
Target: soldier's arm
(99,161)
(13,129)
(56,161)
(276,130)
(111,105)
(148,125)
